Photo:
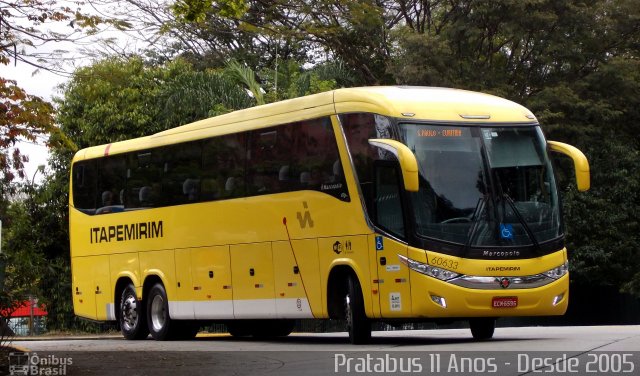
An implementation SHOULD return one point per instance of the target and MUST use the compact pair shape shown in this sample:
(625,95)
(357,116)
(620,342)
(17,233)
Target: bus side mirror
(580,163)
(408,162)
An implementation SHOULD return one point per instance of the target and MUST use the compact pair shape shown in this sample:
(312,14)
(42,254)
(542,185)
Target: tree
(27,26)
(118,99)
(515,48)
(22,117)
(257,33)
(291,80)
(194,95)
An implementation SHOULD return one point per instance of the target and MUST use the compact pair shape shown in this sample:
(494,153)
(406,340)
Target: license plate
(504,302)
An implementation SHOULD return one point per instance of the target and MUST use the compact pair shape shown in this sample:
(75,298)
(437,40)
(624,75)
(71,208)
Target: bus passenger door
(394,289)
(211,268)
(253,281)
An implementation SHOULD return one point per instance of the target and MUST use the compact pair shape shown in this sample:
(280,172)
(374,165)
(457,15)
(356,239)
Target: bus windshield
(483,186)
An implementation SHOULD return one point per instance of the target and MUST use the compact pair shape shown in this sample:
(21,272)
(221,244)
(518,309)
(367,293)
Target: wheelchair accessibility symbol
(506,231)
(379,243)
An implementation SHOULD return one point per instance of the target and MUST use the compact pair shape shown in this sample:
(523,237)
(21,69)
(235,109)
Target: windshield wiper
(476,222)
(527,229)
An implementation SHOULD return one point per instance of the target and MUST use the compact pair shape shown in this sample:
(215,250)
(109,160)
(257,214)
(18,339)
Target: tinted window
(182,173)
(296,156)
(111,184)
(144,174)
(316,159)
(388,205)
(223,160)
(84,186)
(358,129)
(269,160)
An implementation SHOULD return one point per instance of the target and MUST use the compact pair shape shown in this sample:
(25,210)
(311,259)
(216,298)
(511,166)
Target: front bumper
(428,295)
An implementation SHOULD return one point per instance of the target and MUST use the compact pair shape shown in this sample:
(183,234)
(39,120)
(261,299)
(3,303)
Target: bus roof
(408,102)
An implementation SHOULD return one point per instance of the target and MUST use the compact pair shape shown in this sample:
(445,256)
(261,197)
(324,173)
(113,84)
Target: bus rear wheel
(358,325)
(161,326)
(482,328)
(133,321)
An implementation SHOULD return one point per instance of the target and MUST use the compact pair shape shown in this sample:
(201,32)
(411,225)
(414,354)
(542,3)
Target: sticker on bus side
(379,243)
(395,301)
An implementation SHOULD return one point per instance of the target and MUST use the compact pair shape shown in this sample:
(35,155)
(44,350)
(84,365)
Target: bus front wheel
(358,325)
(133,321)
(482,328)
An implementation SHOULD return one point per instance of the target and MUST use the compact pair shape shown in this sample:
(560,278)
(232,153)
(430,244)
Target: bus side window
(269,151)
(144,178)
(181,173)
(84,186)
(316,157)
(111,180)
(223,167)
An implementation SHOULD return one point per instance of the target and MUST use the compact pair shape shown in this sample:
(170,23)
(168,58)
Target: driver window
(387,202)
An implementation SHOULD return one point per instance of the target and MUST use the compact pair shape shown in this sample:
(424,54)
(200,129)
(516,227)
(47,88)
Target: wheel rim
(129,312)
(158,313)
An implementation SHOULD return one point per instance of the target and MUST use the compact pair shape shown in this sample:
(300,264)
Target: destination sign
(445,132)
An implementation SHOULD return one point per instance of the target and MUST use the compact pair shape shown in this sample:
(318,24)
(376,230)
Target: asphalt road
(512,351)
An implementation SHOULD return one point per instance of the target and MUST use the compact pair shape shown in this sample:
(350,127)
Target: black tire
(240,328)
(282,328)
(132,315)
(272,328)
(358,325)
(161,326)
(482,328)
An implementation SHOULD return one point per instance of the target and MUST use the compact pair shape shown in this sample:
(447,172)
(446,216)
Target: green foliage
(257,33)
(193,95)
(110,101)
(295,81)
(246,77)
(603,226)
(117,99)
(36,245)
(196,10)
(23,261)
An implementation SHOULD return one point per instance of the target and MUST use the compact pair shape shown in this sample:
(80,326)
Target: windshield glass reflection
(483,186)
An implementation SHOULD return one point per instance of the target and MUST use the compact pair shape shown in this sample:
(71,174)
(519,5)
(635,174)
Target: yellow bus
(393,204)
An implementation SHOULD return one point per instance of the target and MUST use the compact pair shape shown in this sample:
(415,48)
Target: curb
(64,338)
(95,337)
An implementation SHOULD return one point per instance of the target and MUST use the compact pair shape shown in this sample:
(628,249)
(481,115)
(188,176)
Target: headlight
(431,271)
(558,271)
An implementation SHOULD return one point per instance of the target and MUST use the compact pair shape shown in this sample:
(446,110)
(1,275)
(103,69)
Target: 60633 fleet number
(445,263)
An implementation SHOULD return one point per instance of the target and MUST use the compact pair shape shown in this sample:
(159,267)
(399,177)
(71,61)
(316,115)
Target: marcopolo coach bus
(394,204)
